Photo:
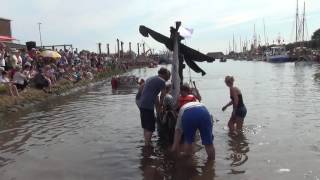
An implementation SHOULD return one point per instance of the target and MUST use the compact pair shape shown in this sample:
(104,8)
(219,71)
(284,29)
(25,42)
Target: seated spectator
(42,82)
(2,55)
(49,72)
(19,79)
(27,70)
(4,79)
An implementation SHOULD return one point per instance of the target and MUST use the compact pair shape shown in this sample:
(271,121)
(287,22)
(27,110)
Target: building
(5,27)
(216,55)
(6,34)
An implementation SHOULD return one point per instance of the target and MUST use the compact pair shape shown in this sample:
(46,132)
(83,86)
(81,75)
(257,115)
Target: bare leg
(210,151)
(177,139)
(14,90)
(147,137)
(9,89)
(239,123)
(188,149)
(231,124)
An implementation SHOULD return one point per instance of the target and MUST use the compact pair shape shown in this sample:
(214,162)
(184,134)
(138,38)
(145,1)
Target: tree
(316,35)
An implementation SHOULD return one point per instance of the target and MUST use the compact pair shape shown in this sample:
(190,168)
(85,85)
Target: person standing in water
(239,109)
(193,116)
(149,99)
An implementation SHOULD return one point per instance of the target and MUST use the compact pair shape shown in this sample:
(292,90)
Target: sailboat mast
(264,32)
(233,43)
(303,20)
(297,19)
(240,50)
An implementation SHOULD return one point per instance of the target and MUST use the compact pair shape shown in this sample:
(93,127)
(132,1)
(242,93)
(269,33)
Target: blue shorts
(148,119)
(197,118)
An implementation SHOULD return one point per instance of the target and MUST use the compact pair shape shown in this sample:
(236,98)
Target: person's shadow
(239,147)
(156,163)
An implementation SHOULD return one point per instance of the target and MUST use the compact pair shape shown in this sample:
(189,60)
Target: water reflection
(158,164)
(239,147)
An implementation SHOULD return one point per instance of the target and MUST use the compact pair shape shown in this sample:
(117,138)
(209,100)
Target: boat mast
(264,31)
(233,43)
(240,50)
(303,20)
(297,19)
(254,37)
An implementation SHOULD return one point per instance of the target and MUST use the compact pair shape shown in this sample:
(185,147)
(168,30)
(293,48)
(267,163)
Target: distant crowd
(21,69)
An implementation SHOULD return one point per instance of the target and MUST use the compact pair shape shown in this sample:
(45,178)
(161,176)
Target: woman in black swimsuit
(239,109)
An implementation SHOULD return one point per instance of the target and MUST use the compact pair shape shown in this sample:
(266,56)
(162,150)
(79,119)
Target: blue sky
(85,23)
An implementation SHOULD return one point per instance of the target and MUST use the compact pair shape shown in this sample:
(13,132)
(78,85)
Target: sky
(215,22)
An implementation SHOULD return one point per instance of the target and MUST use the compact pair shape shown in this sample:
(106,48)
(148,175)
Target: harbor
(160,90)
(79,135)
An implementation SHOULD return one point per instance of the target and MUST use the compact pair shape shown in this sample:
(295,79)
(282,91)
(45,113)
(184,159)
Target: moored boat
(277,54)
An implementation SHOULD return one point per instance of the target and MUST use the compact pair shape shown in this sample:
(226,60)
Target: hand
(224,108)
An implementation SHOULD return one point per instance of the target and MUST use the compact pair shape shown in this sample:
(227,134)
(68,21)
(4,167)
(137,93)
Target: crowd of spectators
(21,69)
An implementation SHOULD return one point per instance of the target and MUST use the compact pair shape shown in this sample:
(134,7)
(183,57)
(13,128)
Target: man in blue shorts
(148,100)
(194,116)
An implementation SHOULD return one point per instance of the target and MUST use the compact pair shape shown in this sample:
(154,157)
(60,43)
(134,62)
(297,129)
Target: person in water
(149,99)
(138,95)
(193,116)
(239,109)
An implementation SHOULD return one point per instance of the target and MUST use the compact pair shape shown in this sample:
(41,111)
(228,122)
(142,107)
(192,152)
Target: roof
(215,54)
(5,19)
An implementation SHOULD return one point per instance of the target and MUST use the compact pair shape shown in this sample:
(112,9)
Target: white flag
(185,32)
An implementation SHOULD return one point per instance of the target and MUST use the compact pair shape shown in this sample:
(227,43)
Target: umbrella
(50,54)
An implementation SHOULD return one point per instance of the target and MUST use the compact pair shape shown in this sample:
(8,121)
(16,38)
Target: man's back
(151,89)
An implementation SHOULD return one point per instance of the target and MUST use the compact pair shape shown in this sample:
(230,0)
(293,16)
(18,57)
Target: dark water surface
(96,134)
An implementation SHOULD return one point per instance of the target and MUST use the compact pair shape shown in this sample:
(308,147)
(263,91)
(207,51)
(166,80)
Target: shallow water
(96,134)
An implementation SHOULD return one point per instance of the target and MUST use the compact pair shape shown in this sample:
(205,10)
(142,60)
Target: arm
(227,105)
(177,132)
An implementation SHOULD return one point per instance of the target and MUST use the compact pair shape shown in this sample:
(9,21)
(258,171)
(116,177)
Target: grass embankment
(31,96)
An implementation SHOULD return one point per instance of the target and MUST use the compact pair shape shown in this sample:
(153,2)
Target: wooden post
(118,46)
(143,48)
(122,49)
(108,50)
(175,80)
(99,48)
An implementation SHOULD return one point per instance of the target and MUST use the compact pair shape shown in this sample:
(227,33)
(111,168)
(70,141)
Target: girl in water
(239,109)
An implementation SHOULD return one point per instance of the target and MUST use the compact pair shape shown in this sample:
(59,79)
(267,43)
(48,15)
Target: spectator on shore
(4,79)
(19,79)
(15,59)
(27,71)
(42,82)
(50,74)
(2,55)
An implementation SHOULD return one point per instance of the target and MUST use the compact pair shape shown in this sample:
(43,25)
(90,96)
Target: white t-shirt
(181,111)
(3,79)
(19,78)
(2,61)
